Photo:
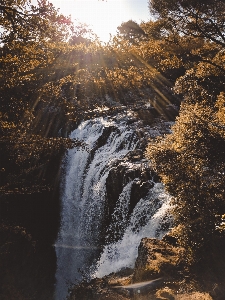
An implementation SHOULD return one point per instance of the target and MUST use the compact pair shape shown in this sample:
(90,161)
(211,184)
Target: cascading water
(123,253)
(84,207)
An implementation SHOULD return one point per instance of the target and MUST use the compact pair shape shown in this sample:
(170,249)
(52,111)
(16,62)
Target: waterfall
(123,253)
(80,243)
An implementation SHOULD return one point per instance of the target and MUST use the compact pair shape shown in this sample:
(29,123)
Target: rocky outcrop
(102,139)
(156,276)
(156,258)
(133,166)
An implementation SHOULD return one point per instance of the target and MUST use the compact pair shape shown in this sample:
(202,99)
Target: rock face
(132,167)
(156,258)
(102,139)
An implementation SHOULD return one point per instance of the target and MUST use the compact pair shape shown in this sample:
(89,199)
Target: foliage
(205,78)
(131,32)
(193,35)
(22,21)
(191,163)
(191,160)
(203,19)
(52,74)
(33,49)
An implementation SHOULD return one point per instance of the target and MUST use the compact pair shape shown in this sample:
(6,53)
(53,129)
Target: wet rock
(139,190)
(132,168)
(165,294)
(102,139)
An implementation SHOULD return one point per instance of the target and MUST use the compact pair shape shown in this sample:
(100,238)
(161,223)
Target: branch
(206,34)
(217,29)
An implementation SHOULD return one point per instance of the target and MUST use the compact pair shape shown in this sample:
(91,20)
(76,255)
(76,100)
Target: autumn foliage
(53,74)
(191,160)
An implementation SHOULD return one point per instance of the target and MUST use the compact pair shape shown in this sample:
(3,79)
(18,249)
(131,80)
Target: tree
(191,163)
(191,160)
(196,29)
(204,19)
(131,32)
(204,79)
(153,30)
(33,71)
(22,21)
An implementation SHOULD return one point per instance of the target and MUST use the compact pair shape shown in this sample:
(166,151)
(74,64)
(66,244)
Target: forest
(54,74)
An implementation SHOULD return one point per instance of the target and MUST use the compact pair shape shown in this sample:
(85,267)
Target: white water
(120,214)
(83,198)
(83,202)
(123,253)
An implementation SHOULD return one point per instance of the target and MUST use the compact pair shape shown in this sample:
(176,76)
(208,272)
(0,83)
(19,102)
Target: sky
(104,16)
